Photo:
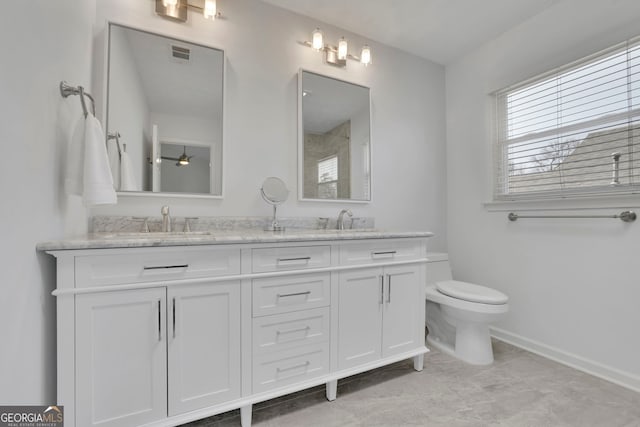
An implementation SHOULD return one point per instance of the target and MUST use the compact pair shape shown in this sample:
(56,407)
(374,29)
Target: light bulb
(170,3)
(316,39)
(365,55)
(209,9)
(342,49)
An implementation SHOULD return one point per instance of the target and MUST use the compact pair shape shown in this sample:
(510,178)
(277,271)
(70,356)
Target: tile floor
(519,389)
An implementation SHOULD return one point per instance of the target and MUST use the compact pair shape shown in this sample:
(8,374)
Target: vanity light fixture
(365,55)
(337,55)
(209,11)
(316,40)
(342,49)
(177,9)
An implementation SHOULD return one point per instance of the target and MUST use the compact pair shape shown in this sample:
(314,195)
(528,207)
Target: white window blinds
(573,131)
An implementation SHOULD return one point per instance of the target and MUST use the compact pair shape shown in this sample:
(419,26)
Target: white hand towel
(127,176)
(97,180)
(75,156)
(114,162)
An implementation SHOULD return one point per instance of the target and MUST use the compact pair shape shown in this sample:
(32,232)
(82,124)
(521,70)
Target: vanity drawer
(283,331)
(290,258)
(275,295)
(381,251)
(279,369)
(138,266)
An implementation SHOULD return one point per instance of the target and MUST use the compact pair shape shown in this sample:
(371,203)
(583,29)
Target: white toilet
(458,314)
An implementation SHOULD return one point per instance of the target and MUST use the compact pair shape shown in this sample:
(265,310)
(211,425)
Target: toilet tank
(438,268)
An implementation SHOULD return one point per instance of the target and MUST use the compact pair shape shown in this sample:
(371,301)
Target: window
(328,178)
(574,131)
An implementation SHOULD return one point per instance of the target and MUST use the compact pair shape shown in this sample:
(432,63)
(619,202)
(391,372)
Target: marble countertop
(155,239)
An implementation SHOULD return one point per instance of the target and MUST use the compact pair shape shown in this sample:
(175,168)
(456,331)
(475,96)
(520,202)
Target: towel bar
(116,136)
(66,90)
(626,216)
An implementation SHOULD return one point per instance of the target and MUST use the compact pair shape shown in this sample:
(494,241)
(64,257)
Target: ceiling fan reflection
(183,160)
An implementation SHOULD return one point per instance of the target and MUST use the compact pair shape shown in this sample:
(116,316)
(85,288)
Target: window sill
(618,201)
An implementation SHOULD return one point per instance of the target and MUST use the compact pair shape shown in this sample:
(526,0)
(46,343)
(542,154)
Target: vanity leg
(332,390)
(418,362)
(245,416)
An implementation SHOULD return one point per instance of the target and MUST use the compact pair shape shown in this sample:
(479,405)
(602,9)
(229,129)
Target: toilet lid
(470,292)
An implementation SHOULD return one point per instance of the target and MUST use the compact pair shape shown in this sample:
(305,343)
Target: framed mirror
(165,102)
(334,139)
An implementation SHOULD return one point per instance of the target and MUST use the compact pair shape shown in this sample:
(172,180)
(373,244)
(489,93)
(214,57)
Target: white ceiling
(439,30)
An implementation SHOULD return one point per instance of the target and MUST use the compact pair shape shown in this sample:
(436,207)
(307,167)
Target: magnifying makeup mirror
(275,192)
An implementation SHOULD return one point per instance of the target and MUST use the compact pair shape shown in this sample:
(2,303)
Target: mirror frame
(105,106)
(301,143)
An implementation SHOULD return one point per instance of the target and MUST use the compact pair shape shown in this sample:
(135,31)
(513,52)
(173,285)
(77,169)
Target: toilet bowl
(458,314)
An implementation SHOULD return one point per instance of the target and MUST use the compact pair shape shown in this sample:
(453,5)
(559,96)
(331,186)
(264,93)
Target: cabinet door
(402,304)
(121,358)
(360,317)
(204,345)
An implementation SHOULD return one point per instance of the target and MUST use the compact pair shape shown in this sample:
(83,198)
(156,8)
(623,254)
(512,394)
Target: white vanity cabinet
(378,314)
(160,336)
(384,294)
(138,351)
(203,351)
(120,372)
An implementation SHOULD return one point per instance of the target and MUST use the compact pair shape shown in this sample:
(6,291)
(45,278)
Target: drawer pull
(166,267)
(294,294)
(389,285)
(159,320)
(174,318)
(298,260)
(290,331)
(291,368)
(383,254)
(381,300)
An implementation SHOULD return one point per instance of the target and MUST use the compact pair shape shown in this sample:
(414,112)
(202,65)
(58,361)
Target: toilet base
(473,344)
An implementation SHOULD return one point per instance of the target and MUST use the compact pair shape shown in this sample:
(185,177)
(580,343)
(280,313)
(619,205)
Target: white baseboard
(616,376)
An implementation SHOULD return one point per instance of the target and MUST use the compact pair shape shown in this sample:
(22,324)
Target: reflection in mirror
(164,98)
(185,168)
(274,191)
(334,139)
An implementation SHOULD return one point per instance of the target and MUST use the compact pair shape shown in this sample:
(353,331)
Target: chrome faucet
(340,222)
(166,219)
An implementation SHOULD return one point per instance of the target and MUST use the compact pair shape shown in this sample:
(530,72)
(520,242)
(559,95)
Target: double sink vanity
(161,329)
(166,327)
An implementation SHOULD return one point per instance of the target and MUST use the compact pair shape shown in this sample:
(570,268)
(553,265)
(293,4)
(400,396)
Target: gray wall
(263,59)
(52,41)
(48,42)
(573,284)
